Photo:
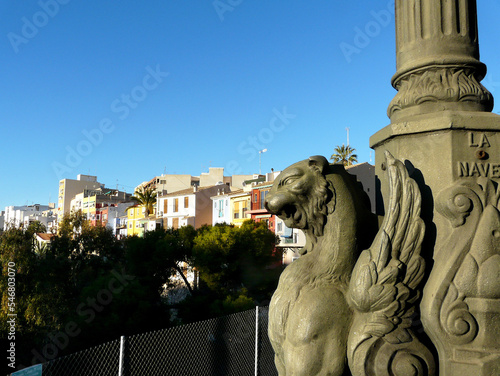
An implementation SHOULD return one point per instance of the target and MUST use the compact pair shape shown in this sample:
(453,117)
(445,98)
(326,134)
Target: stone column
(442,125)
(437,55)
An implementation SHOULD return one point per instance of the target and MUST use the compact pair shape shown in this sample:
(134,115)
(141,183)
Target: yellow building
(239,203)
(86,203)
(134,215)
(137,222)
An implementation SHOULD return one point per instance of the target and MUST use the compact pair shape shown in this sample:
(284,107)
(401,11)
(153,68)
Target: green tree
(36,227)
(238,268)
(230,258)
(147,198)
(50,285)
(345,155)
(42,292)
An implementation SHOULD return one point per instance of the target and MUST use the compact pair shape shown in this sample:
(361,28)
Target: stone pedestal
(442,126)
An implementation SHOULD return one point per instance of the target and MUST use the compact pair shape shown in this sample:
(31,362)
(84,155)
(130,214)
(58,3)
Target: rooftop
(191,190)
(46,237)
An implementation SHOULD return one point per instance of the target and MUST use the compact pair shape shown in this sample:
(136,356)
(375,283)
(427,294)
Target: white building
(221,211)
(115,217)
(43,240)
(231,207)
(291,241)
(120,226)
(16,216)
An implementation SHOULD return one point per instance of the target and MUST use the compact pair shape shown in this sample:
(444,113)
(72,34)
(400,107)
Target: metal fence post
(256,340)
(122,355)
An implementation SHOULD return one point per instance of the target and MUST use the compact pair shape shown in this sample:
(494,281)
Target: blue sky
(130,90)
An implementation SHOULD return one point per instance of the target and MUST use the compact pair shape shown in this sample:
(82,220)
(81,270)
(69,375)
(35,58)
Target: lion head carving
(307,193)
(302,197)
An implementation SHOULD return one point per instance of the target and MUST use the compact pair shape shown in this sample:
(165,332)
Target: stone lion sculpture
(334,306)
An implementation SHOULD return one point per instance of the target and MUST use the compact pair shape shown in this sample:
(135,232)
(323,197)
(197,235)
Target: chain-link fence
(231,345)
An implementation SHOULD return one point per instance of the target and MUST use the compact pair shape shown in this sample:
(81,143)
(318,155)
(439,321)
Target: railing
(231,345)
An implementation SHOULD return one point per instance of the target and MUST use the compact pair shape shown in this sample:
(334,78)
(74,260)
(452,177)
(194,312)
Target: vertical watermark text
(12,315)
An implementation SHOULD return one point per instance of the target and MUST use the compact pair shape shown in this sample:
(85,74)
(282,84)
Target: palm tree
(146,197)
(345,155)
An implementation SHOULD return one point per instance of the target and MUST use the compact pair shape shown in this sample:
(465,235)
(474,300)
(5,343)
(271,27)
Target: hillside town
(179,200)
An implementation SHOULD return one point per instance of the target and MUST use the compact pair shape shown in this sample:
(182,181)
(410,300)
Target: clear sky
(132,89)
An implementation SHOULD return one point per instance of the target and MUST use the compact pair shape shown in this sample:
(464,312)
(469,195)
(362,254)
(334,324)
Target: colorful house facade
(240,204)
(258,211)
(134,214)
(191,206)
(231,208)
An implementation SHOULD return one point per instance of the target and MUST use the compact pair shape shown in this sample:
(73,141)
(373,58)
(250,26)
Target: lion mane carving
(309,315)
(347,305)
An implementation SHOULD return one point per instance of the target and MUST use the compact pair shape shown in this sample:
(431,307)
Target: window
(165,206)
(130,225)
(255,197)
(221,208)
(186,202)
(236,210)
(263,195)
(176,205)
(280,227)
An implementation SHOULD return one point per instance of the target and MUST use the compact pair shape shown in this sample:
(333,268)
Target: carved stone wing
(383,290)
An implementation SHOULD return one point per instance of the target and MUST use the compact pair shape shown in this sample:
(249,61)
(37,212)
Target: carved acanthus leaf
(440,84)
